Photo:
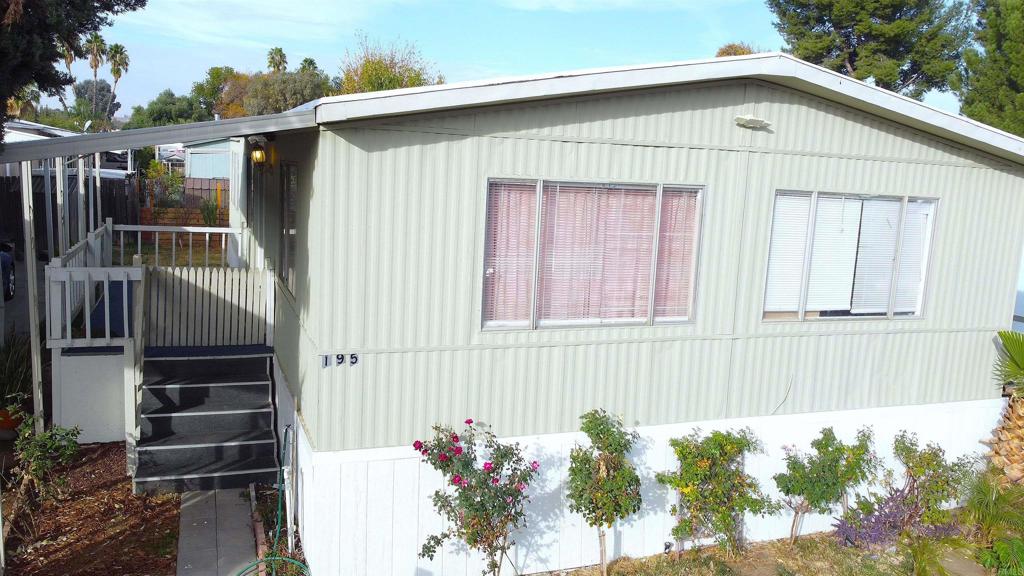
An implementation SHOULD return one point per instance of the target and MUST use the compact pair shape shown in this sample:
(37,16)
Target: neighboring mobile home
(750,241)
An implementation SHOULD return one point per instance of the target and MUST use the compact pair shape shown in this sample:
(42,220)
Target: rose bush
(485,493)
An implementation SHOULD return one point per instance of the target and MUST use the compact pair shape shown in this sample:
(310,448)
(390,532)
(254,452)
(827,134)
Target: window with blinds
(836,255)
(583,253)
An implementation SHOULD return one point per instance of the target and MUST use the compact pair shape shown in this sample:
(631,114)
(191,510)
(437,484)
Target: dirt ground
(97,527)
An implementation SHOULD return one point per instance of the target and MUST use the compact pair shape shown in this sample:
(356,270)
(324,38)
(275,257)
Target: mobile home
(750,241)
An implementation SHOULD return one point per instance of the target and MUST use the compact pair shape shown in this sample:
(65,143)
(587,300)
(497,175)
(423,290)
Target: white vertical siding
(391,267)
(369,511)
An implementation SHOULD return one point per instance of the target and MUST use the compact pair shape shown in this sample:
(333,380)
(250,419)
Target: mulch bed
(97,527)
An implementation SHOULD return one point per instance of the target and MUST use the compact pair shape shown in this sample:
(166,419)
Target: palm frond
(1009,367)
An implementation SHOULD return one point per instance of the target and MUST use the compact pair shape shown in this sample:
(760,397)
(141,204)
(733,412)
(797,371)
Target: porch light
(258,155)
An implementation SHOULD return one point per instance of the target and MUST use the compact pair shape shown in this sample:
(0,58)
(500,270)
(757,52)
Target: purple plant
(885,523)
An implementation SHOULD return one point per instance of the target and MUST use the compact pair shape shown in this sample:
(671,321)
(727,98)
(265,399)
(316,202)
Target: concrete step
(222,396)
(224,474)
(201,367)
(181,451)
(199,421)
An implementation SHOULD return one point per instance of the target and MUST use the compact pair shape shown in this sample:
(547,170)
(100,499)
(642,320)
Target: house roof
(777,68)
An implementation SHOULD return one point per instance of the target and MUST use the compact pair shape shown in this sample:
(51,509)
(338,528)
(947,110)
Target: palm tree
(24,102)
(96,47)
(118,59)
(276,59)
(67,53)
(1007,442)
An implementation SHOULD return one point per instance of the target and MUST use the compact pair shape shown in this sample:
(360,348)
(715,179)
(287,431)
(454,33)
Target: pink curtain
(596,252)
(508,262)
(677,240)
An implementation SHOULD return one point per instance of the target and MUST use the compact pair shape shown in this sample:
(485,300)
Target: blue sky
(173,43)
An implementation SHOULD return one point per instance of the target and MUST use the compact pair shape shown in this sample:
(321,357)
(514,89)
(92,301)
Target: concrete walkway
(215,538)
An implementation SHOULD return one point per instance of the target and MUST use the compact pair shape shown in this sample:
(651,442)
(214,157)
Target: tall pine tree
(906,46)
(993,86)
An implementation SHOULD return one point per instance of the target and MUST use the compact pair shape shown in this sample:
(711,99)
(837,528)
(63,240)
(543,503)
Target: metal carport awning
(85,144)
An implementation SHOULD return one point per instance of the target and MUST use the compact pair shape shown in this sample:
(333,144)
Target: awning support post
(31,263)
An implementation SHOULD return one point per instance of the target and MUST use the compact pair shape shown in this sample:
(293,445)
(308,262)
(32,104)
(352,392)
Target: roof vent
(752,122)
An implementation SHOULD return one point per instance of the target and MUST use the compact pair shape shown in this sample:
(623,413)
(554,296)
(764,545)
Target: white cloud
(253,23)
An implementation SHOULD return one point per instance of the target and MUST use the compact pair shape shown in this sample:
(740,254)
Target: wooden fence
(207,306)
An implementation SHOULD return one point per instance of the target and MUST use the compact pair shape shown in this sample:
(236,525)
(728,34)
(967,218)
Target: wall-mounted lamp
(258,155)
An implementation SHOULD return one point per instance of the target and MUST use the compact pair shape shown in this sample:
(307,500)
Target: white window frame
(809,247)
(534,323)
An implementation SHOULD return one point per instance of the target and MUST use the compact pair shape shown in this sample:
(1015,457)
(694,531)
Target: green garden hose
(273,561)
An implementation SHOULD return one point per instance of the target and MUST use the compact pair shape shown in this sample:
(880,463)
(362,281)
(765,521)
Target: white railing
(208,306)
(72,281)
(110,324)
(178,245)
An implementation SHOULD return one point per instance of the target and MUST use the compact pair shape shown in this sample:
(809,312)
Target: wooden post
(108,243)
(97,162)
(63,233)
(81,200)
(31,262)
(92,194)
(270,288)
(47,191)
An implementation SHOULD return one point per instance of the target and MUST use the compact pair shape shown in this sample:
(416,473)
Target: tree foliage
(906,46)
(277,61)
(167,109)
(376,66)
(734,49)
(603,486)
(31,36)
(208,92)
(95,95)
(992,90)
(280,91)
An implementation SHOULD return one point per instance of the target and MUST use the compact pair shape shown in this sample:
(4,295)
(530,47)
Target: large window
(842,255)
(564,253)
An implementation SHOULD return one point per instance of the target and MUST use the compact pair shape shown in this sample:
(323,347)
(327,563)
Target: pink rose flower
(508,500)
(494,480)
(417,445)
(469,421)
(424,452)
(458,450)
(535,465)
(456,480)
(520,486)
(465,482)
(443,457)
(455,437)
(488,466)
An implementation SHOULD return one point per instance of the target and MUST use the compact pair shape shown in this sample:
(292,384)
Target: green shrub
(817,482)
(603,486)
(1006,557)
(714,492)
(38,456)
(208,209)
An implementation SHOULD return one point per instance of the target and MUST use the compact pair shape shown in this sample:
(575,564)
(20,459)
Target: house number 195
(326,361)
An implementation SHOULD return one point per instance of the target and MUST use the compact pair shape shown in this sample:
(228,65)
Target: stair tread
(207,438)
(223,467)
(159,380)
(214,405)
(183,352)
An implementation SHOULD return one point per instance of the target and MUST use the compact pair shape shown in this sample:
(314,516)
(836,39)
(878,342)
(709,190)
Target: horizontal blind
(509,252)
(833,253)
(595,252)
(917,233)
(677,245)
(876,255)
(786,253)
